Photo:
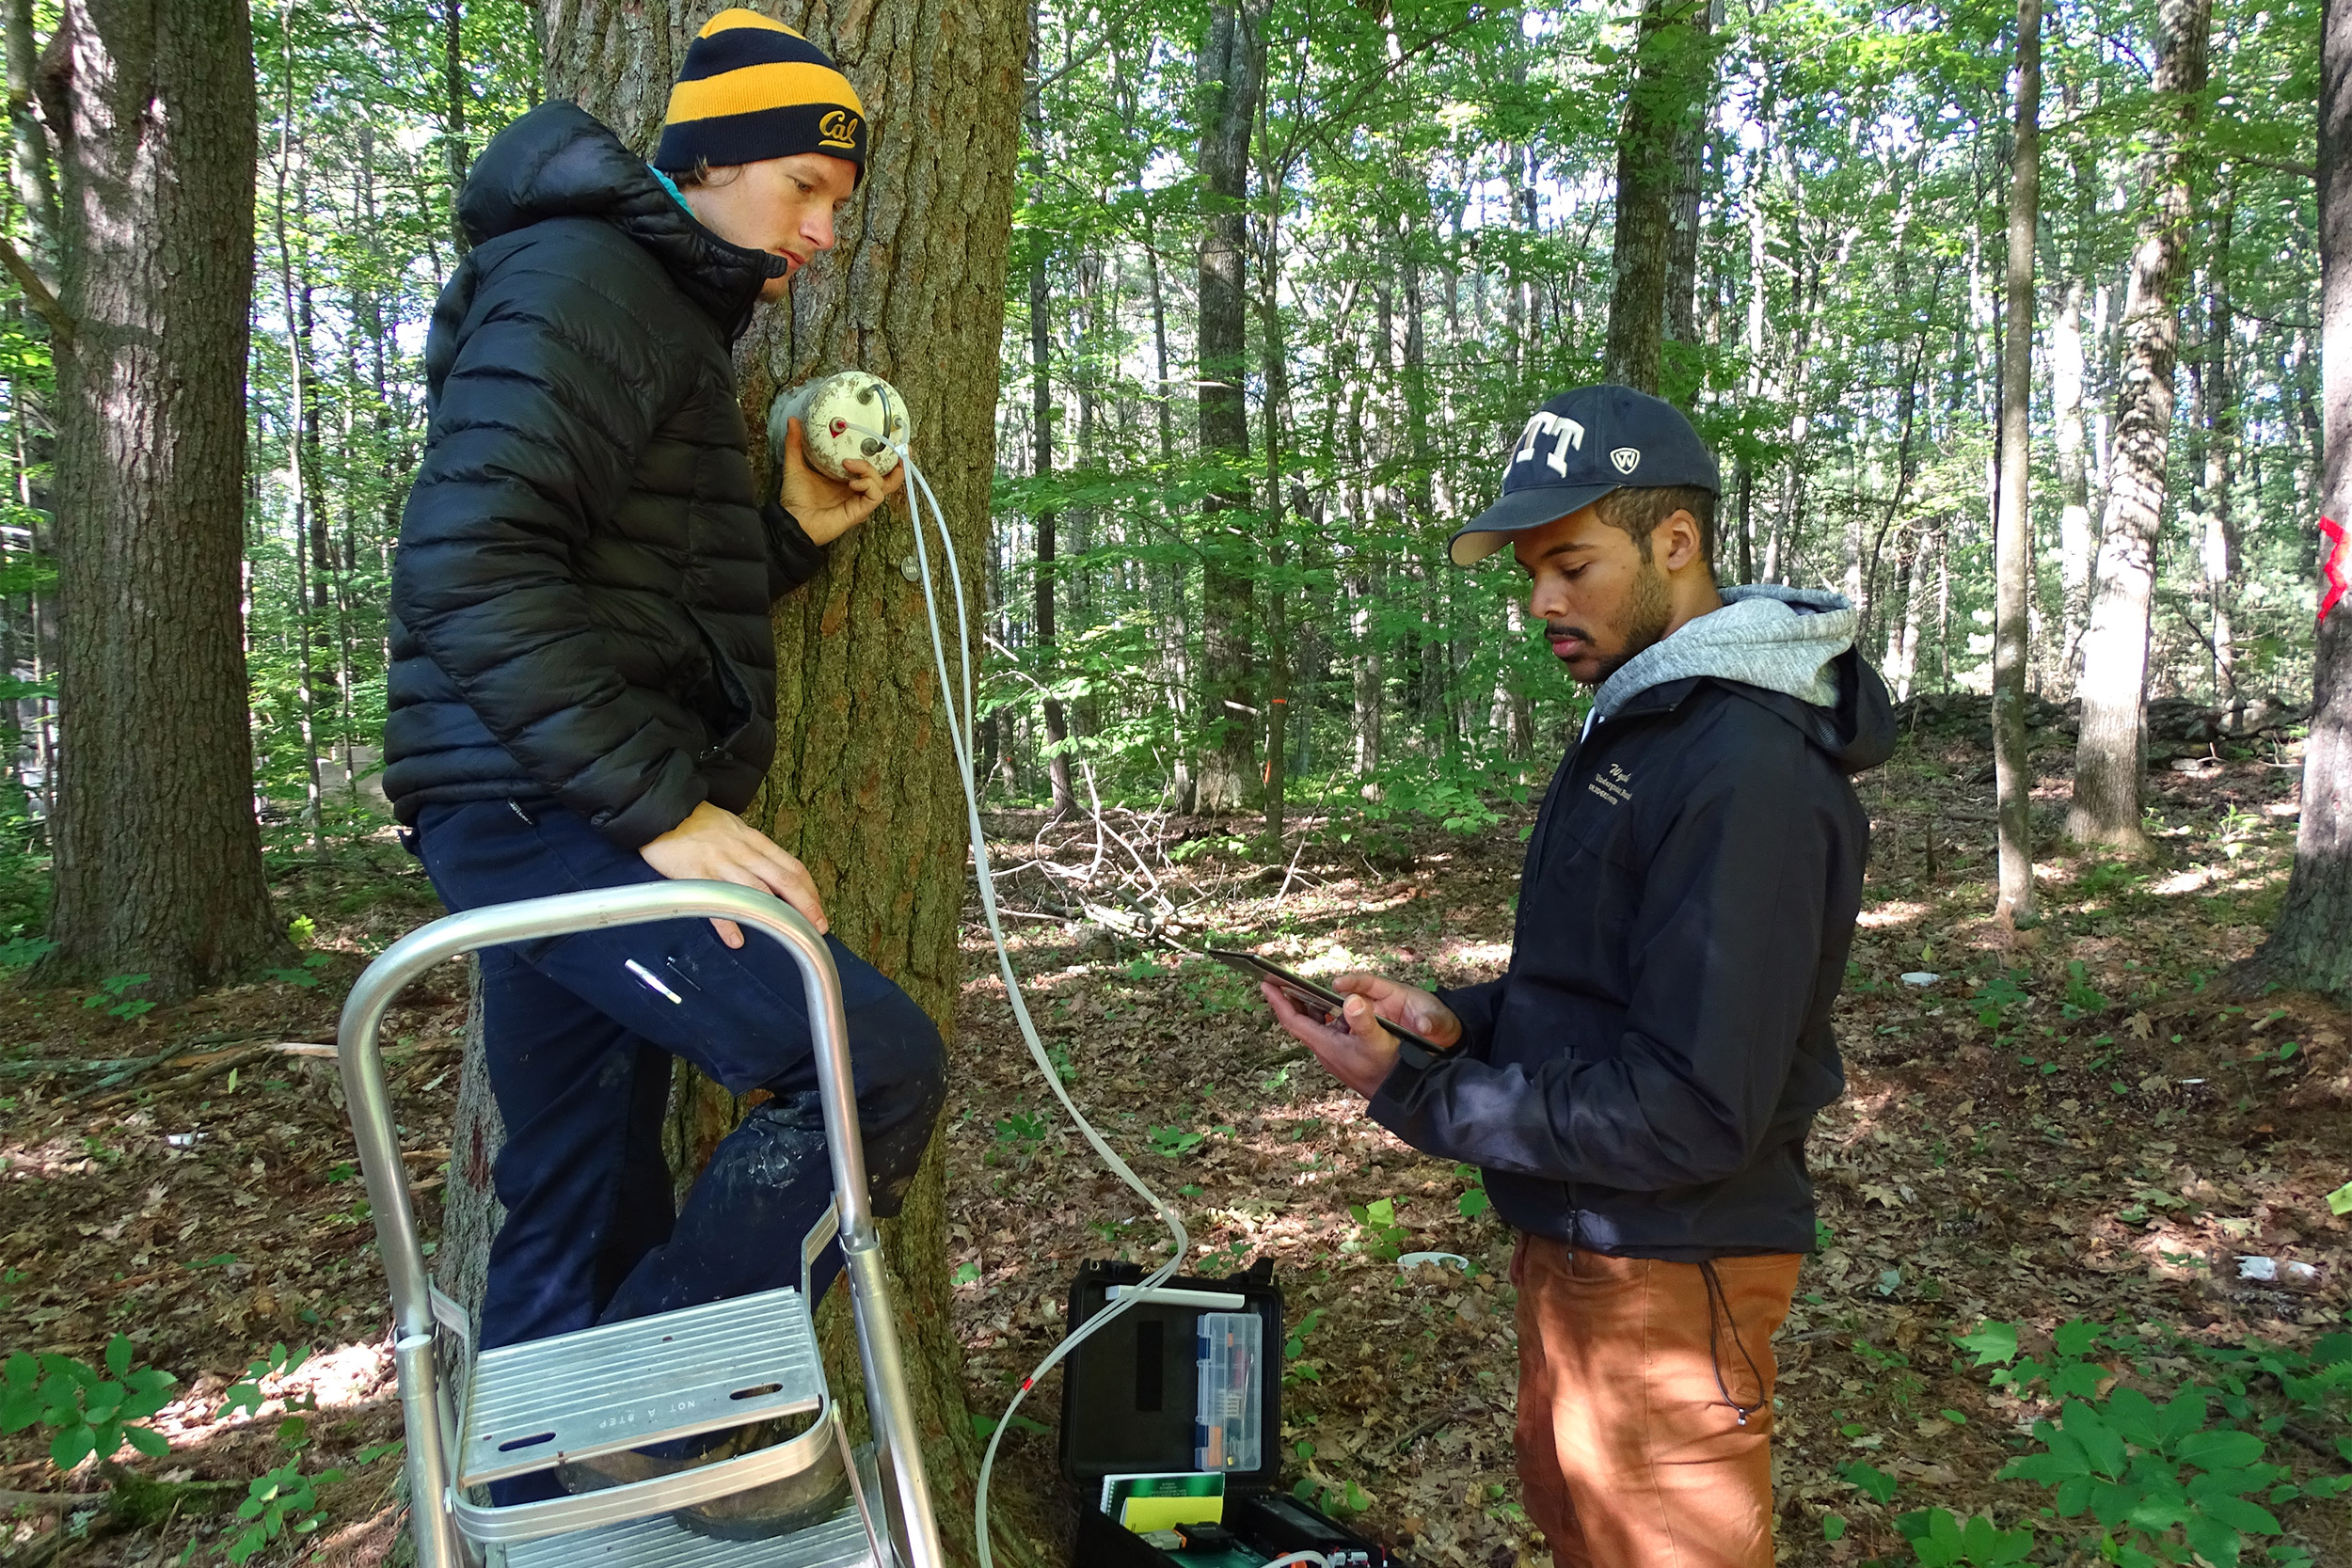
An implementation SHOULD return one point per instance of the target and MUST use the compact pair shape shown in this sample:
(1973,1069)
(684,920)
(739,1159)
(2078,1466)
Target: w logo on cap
(1625,459)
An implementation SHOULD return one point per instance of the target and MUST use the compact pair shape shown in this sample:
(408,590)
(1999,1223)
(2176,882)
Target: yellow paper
(1149,1513)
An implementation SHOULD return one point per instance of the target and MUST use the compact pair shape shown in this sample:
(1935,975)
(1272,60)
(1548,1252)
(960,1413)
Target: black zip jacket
(580,601)
(1641,1080)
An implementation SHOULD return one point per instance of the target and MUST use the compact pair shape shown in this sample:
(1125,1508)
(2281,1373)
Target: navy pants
(579,1046)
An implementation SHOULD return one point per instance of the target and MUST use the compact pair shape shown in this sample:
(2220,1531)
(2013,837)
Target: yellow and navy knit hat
(752,90)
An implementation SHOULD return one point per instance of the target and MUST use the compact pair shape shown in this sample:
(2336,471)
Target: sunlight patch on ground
(337,1379)
(2188,879)
(1896,911)
(73,1156)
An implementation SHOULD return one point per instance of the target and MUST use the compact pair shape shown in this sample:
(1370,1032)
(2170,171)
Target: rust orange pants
(1631,1449)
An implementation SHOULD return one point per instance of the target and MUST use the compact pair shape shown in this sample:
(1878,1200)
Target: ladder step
(649,1379)
(837,1542)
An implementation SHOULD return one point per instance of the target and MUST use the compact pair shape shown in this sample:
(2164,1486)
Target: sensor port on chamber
(846,416)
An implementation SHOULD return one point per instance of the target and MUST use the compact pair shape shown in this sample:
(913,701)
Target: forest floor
(2067,1127)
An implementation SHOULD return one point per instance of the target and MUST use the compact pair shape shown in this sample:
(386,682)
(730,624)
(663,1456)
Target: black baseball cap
(1578,447)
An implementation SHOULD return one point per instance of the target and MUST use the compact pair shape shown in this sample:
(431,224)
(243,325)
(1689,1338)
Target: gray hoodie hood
(1784,639)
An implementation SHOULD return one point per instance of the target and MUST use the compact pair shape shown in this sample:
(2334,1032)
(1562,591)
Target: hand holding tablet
(1319,1002)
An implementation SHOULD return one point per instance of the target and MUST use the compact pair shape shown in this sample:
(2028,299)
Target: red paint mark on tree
(2331,570)
(477,1159)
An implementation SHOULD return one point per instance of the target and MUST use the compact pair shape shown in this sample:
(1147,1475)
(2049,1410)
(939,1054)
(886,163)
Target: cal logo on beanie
(752,90)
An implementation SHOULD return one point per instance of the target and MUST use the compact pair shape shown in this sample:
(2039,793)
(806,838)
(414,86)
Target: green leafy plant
(2082,998)
(1870,1481)
(1999,997)
(112,990)
(1939,1539)
(24,952)
(306,976)
(89,1409)
(244,1396)
(1296,1367)
(1174,1143)
(1474,1202)
(1384,1236)
(2160,1482)
(281,1501)
(1021,1127)
(1337,1499)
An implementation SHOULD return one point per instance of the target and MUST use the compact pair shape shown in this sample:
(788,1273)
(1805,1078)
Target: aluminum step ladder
(521,1409)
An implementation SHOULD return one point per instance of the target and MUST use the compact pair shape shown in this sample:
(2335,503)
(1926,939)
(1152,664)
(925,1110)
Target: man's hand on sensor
(825,507)
(1362,1055)
(717,846)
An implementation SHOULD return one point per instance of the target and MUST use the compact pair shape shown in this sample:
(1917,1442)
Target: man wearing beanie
(1637,1085)
(582,694)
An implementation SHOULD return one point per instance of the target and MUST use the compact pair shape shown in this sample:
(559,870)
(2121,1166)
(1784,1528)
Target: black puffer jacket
(580,600)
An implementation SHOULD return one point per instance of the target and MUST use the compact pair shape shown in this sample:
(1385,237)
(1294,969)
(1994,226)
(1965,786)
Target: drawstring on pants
(1715,1295)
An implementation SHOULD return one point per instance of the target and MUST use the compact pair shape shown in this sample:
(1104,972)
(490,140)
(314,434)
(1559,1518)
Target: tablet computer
(1317,1001)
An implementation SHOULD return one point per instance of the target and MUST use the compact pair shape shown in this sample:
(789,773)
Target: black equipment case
(1128,1405)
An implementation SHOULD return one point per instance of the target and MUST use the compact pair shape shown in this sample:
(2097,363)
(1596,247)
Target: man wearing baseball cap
(583,694)
(1637,1085)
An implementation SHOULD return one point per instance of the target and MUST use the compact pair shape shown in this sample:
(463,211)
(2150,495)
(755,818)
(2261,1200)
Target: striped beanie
(753,89)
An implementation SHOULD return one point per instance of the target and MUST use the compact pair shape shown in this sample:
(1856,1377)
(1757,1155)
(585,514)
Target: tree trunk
(158,858)
(864,789)
(2077,545)
(2311,944)
(2012,545)
(456,156)
(2217,548)
(2111,758)
(1041,467)
(1682,249)
(29,163)
(1674,63)
(1231,74)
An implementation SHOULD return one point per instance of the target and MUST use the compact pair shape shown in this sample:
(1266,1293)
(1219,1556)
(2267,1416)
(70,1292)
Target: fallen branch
(224,1063)
(63,1502)
(37,1065)
(1434,1424)
(139,1066)
(228,1062)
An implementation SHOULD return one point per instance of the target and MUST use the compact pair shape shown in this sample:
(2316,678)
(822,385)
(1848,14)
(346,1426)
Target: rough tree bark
(2012,526)
(1674,67)
(2311,944)
(158,856)
(1231,74)
(2110,759)
(864,789)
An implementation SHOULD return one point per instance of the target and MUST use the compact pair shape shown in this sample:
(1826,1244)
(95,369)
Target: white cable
(1299,1558)
(960,738)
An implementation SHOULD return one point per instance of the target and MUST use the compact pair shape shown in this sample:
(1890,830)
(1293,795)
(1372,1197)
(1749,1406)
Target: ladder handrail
(360,1056)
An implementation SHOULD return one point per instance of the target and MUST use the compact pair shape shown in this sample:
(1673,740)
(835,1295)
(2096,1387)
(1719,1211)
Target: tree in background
(1656,144)
(158,861)
(1041,461)
(2012,524)
(2311,944)
(1232,78)
(2111,758)
(864,789)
